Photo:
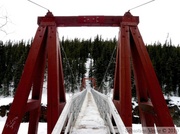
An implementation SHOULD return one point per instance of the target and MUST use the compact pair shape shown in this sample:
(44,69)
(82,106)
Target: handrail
(105,106)
(69,113)
(108,110)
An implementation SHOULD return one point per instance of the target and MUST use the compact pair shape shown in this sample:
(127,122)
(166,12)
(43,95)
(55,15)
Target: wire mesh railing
(70,113)
(109,112)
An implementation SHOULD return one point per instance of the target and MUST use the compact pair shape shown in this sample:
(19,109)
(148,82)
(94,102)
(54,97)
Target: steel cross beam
(152,106)
(94,21)
(153,109)
(90,79)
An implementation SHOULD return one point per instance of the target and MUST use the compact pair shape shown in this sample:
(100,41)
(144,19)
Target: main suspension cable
(69,66)
(141,5)
(108,66)
(38,5)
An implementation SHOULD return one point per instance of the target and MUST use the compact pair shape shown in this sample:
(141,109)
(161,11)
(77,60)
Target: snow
(23,129)
(175,100)
(5,101)
(88,62)
(89,120)
(24,126)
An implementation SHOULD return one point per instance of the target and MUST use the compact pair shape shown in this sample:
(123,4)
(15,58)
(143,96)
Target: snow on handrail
(107,110)
(69,113)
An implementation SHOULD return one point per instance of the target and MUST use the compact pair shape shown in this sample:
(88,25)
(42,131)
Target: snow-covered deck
(89,120)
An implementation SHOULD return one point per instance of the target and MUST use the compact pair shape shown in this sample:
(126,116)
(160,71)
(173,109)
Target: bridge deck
(89,120)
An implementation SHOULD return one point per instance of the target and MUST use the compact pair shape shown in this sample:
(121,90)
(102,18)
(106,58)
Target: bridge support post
(93,83)
(131,51)
(45,49)
(152,106)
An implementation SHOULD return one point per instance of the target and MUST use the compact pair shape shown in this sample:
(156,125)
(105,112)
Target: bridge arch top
(93,21)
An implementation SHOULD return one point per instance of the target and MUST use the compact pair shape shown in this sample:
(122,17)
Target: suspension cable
(141,5)
(108,66)
(69,67)
(39,5)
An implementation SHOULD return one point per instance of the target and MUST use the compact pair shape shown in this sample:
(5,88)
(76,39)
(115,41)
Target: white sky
(157,19)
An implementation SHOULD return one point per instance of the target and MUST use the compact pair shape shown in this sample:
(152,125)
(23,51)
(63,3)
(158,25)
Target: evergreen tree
(8,69)
(2,64)
(165,59)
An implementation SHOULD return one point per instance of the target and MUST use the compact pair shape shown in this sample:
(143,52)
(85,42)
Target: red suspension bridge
(152,106)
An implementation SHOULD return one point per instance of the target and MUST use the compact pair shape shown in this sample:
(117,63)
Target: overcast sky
(157,19)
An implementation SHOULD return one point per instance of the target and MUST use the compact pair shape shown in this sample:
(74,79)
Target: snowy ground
(89,117)
(88,122)
(24,126)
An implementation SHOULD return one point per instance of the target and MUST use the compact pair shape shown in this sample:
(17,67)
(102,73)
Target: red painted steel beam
(62,96)
(153,87)
(150,98)
(53,78)
(147,118)
(125,106)
(147,107)
(37,88)
(76,21)
(19,104)
(46,44)
(32,104)
(84,82)
(116,94)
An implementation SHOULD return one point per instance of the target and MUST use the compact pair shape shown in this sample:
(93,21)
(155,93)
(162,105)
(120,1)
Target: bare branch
(4,31)
(5,23)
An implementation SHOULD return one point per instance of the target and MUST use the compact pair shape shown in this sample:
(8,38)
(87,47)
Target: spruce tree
(2,64)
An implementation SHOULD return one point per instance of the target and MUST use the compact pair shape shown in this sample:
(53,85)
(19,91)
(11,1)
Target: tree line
(12,60)
(166,62)
(75,52)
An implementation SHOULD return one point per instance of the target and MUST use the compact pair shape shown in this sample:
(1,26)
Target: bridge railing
(108,111)
(69,113)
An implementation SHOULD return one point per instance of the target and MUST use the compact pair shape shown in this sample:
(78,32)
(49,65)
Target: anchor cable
(141,5)
(38,5)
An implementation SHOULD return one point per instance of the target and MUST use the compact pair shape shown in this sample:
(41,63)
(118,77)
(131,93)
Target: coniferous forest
(165,58)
